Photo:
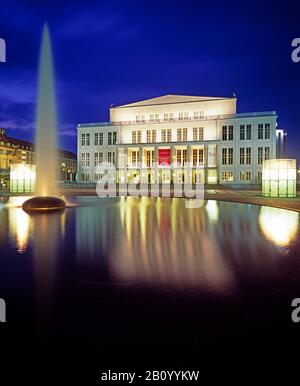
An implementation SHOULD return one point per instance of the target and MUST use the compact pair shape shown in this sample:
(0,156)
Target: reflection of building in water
(46,239)
(160,242)
(279,225)
(96,234)
(164,243)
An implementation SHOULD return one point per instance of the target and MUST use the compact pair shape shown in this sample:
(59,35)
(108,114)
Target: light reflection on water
(279,225)
(154,241)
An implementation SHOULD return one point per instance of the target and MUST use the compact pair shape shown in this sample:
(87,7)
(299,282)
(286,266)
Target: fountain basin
(43,204)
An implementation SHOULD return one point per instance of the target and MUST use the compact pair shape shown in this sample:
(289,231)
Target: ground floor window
(212,177)
(245,176)
(259,176)
(227,176)
(85,176)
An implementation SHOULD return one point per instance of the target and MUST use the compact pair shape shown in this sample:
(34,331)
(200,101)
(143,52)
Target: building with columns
(154,140)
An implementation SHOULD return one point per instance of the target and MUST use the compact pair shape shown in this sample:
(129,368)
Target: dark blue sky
(120,51)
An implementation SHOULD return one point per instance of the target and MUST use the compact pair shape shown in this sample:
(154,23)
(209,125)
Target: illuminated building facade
(15,151)
(152,141)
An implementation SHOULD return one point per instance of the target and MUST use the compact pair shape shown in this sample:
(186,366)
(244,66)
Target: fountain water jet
(46,144)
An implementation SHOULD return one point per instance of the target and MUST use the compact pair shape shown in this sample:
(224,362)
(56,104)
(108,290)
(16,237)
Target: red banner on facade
(164,157)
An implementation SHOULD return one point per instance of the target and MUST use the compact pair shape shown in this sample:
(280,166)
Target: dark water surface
(148,282)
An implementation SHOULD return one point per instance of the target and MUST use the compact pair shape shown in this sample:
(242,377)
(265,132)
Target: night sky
(115,52)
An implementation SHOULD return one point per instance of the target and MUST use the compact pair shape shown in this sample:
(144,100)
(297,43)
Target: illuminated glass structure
(22,178)
(279,178)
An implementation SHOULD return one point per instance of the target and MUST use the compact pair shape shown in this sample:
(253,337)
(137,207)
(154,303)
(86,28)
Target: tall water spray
(46,130)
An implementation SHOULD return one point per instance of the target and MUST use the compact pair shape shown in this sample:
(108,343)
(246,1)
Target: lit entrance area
(198,177)
(133,176)
(148,176)
(164,176)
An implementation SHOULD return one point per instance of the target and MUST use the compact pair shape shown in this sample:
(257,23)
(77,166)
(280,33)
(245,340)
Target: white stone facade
(143,138)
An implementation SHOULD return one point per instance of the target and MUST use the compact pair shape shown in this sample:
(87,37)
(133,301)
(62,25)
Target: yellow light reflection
(212,210)
(279,225)
(16,201)
(160,244)
(19,223)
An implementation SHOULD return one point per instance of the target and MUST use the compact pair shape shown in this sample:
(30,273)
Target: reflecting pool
(147,263)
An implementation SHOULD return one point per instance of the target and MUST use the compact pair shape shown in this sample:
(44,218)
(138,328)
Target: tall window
(148,136)
(98,160)
(260,134)
(115,137)
(111,157)
(178,157)
(224,133)
(248,155)
(87,160)
(198,157)
(267,131)
(248,133)
(230,133)
(267,153)
(96,139)
(180,115)
(88,139)
(224,156)
(242,155)
(195,157)
(109,138)
(179,135)
(163,135)
(184,134)
(156,117)
(134,137)
(198,134)
(201,133)
(101,139)
(260,156)
(230,156)
(149,158)
(242,132)
(195,133)
(184,156)
(201,156)
(135,158)
(82,139)
(153,135)
(151,117)
(169,134)
(83,159)
(139,136)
